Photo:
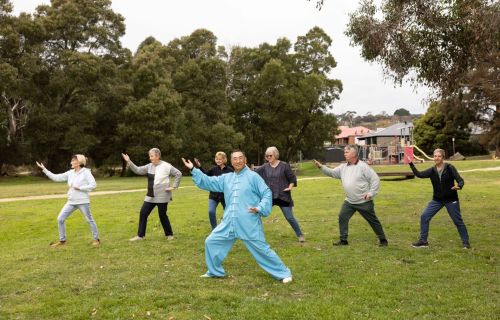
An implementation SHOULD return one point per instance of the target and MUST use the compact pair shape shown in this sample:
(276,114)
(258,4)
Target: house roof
(396,130)
(346,132)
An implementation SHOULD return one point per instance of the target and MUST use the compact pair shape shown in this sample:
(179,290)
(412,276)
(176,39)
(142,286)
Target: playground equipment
(418,158)
(423,153)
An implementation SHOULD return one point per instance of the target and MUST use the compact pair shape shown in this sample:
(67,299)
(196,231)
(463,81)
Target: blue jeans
(67,210)
(288,213)
(453,209)
(212,210)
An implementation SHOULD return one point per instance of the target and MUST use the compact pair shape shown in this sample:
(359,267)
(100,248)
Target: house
(350,135)
(390,136)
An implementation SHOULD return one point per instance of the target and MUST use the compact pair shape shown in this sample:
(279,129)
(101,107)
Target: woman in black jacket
(214,198)
(443,176)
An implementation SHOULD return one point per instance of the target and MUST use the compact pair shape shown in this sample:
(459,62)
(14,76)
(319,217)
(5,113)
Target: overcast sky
(250,23)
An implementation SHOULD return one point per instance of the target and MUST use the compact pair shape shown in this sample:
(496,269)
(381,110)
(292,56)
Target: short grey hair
(441,151)
(274,151)
(352,147)
(156,151)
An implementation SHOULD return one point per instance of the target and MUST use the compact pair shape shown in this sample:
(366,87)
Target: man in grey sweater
(360,184)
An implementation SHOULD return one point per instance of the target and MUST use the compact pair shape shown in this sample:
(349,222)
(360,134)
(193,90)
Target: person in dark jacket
(214,198)
(280,178)
(443,176)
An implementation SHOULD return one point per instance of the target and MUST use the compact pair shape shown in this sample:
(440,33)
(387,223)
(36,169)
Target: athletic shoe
(420,244)
(302,239)
(170,237)
(96,243)
(136,238)
(287,280)
(341,243)
(58,243)
(466,245)
(383,243)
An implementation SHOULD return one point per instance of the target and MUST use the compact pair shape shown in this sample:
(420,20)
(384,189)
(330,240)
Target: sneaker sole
(420,247)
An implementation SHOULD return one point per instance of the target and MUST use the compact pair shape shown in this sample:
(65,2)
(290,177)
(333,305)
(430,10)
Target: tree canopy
(68,86)
(451,46)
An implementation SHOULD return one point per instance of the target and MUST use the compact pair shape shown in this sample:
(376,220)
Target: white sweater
(161,173)
(357,179)
(83,179)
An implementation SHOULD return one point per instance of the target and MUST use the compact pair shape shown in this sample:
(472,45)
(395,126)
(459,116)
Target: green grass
(159,279)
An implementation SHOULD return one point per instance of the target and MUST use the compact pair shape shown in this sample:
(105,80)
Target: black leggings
(146,209)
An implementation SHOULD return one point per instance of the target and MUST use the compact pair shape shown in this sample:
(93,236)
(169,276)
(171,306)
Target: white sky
(250,23)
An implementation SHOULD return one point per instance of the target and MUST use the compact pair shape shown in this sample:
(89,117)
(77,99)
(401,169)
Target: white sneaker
(170,237)
(205,276)
(286,280)
(136,238)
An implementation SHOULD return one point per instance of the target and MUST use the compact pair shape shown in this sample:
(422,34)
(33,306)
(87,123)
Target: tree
(19,65)
(79,62)
(180,94)
(153,122)
(435,130)
(402,112)
(347,118)
(451,46)
(281,98)
(200,77)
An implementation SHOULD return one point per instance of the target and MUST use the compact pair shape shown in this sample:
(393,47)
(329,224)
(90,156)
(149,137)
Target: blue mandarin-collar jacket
(242,191)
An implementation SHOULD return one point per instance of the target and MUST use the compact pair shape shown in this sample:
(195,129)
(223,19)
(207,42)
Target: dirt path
(482,169)
(100,193)
(64,195)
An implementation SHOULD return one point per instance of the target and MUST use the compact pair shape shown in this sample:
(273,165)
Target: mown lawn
(159,279)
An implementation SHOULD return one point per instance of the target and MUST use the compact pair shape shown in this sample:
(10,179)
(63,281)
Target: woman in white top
(80,183)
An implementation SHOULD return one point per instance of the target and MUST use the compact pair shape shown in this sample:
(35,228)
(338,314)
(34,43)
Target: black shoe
(383,243)
(341,243)
(466,245)
(420,244)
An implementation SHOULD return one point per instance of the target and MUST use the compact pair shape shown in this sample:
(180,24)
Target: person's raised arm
(61,177)
(215,184)
(142,170)
(420,174)
(334,173)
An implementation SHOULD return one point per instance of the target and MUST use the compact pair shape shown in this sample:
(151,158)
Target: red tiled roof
(346,132)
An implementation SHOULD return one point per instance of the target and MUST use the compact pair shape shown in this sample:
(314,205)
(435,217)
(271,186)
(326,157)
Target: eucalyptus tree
(451,46)
(20,49)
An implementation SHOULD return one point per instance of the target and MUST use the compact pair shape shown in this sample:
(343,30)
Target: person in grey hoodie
(80,182)
(159,191)
(360,184)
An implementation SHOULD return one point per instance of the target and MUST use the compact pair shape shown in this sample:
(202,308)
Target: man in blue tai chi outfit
(247,198)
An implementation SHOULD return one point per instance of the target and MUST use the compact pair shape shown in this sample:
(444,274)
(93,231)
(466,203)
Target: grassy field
(159,279)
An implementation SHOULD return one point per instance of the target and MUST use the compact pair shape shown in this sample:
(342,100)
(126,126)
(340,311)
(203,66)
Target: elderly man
(247,198)
(360,184)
